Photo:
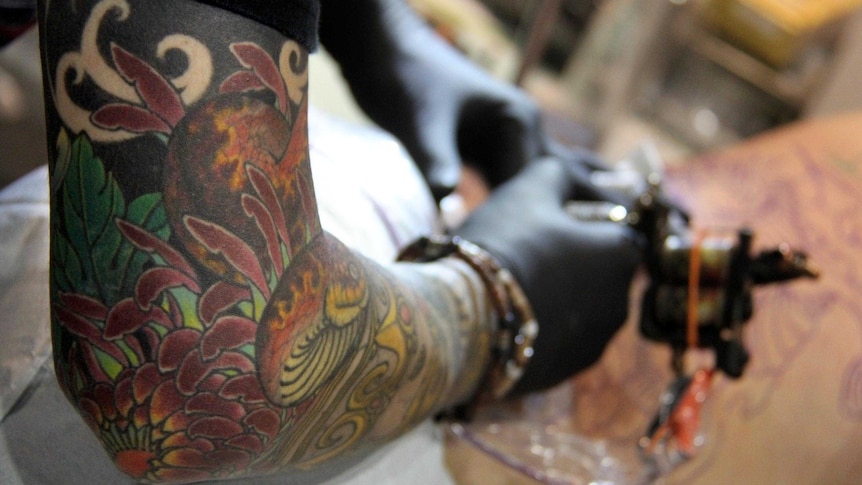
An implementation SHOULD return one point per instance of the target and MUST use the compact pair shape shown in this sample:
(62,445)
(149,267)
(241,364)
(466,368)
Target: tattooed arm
(204,325)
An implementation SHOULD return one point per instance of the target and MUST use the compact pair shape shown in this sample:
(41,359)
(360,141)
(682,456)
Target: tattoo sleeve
(204,325)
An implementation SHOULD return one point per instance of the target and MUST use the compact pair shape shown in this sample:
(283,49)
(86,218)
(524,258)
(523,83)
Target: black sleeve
(296,19)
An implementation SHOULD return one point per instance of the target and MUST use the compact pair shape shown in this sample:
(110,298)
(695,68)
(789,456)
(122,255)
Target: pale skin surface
(205,326)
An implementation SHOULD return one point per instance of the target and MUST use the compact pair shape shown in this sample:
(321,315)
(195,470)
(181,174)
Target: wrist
(476,329)
(515,329)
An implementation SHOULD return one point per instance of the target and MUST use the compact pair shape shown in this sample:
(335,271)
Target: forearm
(415,337)
(204,324)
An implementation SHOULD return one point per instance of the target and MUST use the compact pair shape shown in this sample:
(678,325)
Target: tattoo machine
(698,297)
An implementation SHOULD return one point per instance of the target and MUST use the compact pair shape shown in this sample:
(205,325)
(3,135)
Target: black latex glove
(576,274)
(440,105)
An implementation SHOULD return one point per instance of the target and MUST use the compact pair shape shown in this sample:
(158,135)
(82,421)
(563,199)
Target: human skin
(795,416)
(205,326)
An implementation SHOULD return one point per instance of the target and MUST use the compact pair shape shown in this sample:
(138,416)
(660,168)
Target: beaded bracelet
(517,329)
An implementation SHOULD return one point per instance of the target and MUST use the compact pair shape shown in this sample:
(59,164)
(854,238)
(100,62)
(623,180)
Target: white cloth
(23,284)
(371,197)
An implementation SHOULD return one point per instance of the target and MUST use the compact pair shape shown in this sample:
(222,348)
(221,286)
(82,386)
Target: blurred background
(688,75)
(691,75)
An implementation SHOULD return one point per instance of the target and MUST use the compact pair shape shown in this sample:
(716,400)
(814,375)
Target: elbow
(173,421)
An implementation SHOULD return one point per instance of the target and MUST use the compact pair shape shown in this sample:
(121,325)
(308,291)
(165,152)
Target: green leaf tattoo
(93,257)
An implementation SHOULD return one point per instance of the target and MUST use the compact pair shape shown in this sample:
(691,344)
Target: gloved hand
(575,274)
(440,105)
